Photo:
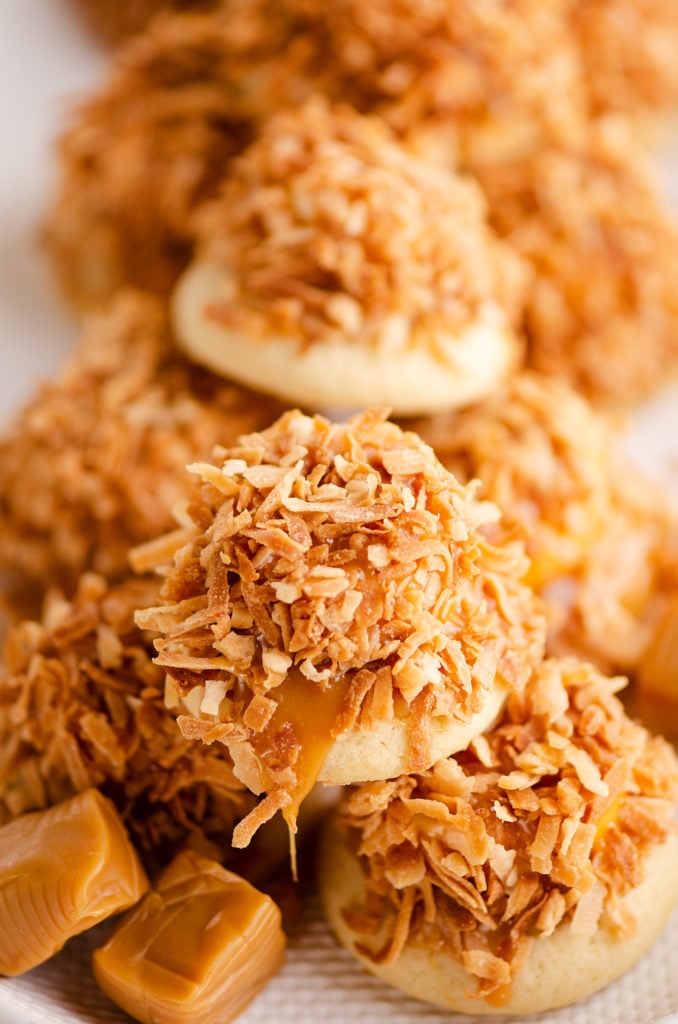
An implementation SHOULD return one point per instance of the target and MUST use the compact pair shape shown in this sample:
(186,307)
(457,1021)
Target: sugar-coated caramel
(197,949)
(61,871)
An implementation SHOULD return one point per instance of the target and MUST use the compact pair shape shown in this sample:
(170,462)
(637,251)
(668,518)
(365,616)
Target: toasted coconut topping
(544,456)
(189,93)
(113,20)
(141,153)
(603,539)
(328,227)
(95,461)
(482,855)
(472,79)
(603,309)
(81,704)
(628,54)
(624,586)
(656,692)
(337,567)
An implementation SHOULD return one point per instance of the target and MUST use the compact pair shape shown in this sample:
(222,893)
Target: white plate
(44,61)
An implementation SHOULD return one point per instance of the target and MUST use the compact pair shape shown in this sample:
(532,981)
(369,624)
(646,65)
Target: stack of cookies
(221,602)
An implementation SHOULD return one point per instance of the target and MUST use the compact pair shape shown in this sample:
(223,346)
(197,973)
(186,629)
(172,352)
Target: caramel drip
(306,718)
(608,818)
(500,997)
(657,674)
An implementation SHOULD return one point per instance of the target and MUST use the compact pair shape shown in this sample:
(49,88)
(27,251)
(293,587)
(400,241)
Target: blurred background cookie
(338,270)
(95,462)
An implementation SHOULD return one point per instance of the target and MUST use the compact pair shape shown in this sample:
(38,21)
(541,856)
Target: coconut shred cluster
(543,456)
(546,819)
(82,704)
(338,571)
(338,270)
(558,473)
(428,208)
(155,143)
(542,103)
(95,462)
(589,222)
(329,226)
(627,51)
(624,51)
(194,90)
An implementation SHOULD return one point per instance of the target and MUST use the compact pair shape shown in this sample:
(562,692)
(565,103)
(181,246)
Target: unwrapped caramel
(62,871)
(197,949)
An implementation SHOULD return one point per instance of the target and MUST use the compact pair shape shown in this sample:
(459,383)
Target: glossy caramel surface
(61,871)
(198,948)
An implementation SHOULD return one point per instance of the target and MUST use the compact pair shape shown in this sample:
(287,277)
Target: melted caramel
(499,942)
(543,569)
(198,948)
(62,871)
(657,675)
(658,713)
(311,716)
(547,565)
(501,997)
(608,818)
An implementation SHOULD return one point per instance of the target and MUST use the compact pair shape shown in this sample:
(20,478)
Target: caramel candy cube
(62,871)
(197,949)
